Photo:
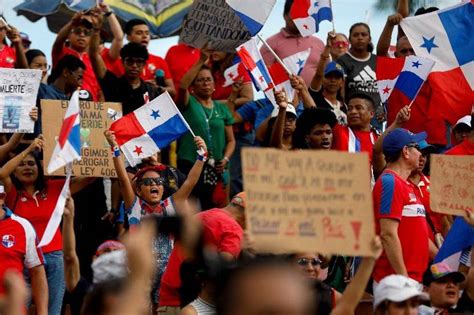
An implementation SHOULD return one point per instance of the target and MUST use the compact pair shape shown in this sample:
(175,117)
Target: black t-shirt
(465,305)
(119,90)
(321,102)
(75,298)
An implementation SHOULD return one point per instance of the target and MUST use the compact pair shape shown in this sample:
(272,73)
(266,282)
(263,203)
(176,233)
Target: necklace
(208,118)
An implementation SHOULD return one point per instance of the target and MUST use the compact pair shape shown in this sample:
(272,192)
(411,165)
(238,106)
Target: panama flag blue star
(429,44)
(300,63)
(416,64)
(155,114)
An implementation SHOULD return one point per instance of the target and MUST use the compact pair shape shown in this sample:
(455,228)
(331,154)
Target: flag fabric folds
(252,17)
(445,36)
(253,62)
(402,75)
(68,146)
(149,128)
(233,74)
(307,14)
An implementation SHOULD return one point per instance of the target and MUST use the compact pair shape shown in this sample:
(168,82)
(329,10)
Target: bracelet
(116,151)
(109,13)
(202,156)
(226,158)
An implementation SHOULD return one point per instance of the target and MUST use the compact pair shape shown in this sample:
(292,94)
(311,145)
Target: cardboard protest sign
(308,201)
(215,23)
(452,184)
(96,159)
(18,91)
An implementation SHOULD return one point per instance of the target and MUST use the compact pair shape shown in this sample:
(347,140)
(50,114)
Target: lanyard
(208,129)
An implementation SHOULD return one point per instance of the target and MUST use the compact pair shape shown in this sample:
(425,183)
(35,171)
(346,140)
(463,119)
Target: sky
(346,13)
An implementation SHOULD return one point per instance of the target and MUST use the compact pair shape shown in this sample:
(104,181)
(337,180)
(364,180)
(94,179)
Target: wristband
(201,155)
(109,13)
(226,158)
(116,151)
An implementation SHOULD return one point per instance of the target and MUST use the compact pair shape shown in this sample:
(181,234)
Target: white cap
(397,288)
(465,120)
(2,189)
(110,266)
(289,109)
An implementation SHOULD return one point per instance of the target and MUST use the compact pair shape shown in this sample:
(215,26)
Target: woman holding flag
(33,197)
(143,195)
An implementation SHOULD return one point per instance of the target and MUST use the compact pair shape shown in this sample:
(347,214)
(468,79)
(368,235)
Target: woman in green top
(212,121)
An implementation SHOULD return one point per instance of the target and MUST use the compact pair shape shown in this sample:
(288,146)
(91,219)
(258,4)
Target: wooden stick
(332,13)
(275,55)
(5,22)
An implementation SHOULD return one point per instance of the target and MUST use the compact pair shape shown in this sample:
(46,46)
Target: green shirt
(196,114)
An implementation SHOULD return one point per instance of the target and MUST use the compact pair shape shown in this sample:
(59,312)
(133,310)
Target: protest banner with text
(452,182)
(308,201)
(215,23)
(96,117)
(18,91)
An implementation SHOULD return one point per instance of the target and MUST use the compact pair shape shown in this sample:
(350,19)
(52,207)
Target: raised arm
(356,288)
(378,159)
(97,62)
(72,272)
(9,167)
(193,177)
(126,188)
(63,35)
(14,36)
(188,78)
(299,85)
(276,140)
(317,81)
(385,38)
(117,32)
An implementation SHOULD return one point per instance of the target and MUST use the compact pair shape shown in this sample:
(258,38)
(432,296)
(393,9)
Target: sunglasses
(79,31)
(414,145)
(137,61)
(150,181)
(340,44)
(305,261)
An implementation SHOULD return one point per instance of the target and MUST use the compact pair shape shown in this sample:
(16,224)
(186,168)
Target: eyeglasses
(340,44)
(137,61)
(305,261)
(150,181)
(202,80)
(414,145)
(79,31)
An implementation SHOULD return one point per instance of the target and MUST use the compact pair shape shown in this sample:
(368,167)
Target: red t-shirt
(220,231)
(90,82)
(221,92)
(18,246)
(38,209)
(7,57)
(113,65)
(364,140)
(464,148)
(422,192)
(152,64)
(180,58)
(394,198)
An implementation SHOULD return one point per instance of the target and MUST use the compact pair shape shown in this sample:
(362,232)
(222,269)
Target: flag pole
(275,55)
(332,13)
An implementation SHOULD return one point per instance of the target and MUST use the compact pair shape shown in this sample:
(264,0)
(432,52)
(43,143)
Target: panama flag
(233,74)
(307,14)
(252,14)
(253,62)
(402,75)
(68,146)
(445,36)
(149,128)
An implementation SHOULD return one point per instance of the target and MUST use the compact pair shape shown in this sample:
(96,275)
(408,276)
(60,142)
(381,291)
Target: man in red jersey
(400,216)
(466,147)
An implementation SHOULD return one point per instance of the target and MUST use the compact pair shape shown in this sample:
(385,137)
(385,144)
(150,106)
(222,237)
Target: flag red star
(306,26)
(231,75)
(386,90)
(261,79)
(138,150)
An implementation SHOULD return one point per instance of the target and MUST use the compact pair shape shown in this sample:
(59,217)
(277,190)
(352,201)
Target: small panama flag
(68,146)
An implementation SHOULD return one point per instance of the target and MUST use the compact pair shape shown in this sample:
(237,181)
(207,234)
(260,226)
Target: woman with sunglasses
(143,196)
(33,197)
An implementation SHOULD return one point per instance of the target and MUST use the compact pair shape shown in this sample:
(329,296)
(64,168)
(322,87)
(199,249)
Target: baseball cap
(289,109)
(240,199)
(441,270)
(425,147)
(25,38)
(466,120)
(110,266)
(396,139)
(334,67)
(397,288)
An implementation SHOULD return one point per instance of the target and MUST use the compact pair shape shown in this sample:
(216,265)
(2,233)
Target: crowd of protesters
(169,235)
